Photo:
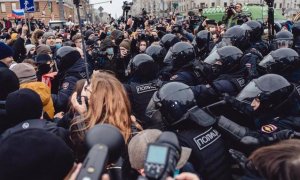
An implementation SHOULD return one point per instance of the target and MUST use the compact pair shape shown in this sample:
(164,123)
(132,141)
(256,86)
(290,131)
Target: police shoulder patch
(269,128)
(145,88)
(65,85)
(207,138)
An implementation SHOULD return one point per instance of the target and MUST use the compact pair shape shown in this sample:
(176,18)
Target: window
(50,6)
(275,5)
(202,5)
(212,4)
(13,6)
(225,4)
(36,6)
(3,7)
(280,5)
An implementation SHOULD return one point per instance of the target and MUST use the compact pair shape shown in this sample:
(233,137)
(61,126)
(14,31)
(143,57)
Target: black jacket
(67,81)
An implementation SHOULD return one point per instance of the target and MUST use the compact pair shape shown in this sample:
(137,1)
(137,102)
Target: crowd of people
(231,96)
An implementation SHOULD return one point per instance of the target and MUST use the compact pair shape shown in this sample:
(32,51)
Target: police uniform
(209,156)
(140,95)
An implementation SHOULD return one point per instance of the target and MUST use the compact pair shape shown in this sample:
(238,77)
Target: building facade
(44,9)
(163,7)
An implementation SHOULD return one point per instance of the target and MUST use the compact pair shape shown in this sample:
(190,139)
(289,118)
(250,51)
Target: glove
(229,99)
(282,135)
(239,157)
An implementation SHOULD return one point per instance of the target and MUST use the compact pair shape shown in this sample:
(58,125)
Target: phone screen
(157,154)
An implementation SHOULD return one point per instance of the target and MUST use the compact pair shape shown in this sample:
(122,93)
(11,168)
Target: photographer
(234,15)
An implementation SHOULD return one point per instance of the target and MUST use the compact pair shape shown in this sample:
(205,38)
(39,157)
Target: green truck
(256,12)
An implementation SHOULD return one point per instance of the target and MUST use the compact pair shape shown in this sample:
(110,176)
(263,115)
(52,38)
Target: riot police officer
(235,36)
(144,73)
(296,35)
(203,44)
(168,40)
(71,68)
(180,59)
(283,61)
(231,75)
(174,105)
(283,39)
(272,103)
(255,30)
(158,54)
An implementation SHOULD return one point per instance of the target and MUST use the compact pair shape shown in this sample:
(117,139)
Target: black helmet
(237,36)
(180,54)
(176,28)
(229,56)
(202,38)
(157,52)
(284,38)
(171,103)
(272,90)
(168,41)
(280,61)
(66,56)
(296,29)
(254,28)
(144,67)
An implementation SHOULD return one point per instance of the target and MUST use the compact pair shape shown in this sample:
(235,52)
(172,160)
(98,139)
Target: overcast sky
(113,9)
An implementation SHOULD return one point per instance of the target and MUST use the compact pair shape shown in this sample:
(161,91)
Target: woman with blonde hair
(107,102)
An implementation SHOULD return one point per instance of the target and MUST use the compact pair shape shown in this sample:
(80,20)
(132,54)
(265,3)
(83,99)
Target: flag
(18,13)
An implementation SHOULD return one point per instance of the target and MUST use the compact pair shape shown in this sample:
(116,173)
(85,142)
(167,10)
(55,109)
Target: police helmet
(168,40)
(172,101)
(280,61)
(144,67)
(272,90)
(176,28)
(180,54)
(237,36)
(254,28)
(284,39)
(66,56)
(228,56)
(296,29)
(157,52)
(202,38)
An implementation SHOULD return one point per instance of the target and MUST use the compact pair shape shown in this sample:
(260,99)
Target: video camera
(106,144)
(162,157)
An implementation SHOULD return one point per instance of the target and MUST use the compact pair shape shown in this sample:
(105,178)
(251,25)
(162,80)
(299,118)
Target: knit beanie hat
(88,33)
(34,154)
(46,35)
(126,44)
(9,82)
(43,49)
(23,104)
(42,58)
(5,51)
(29,47)
(25,72)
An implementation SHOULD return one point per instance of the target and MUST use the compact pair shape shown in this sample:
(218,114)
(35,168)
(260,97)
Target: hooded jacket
(45,94)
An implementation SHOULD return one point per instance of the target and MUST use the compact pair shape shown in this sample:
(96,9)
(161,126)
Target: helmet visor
(152,110)
(169,57)
(268,60)
(213,58)
(249,92)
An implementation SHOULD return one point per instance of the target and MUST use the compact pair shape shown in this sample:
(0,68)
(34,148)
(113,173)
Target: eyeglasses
(51,38)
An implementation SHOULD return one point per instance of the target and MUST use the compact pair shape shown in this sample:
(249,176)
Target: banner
(18,13)
(27,5)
